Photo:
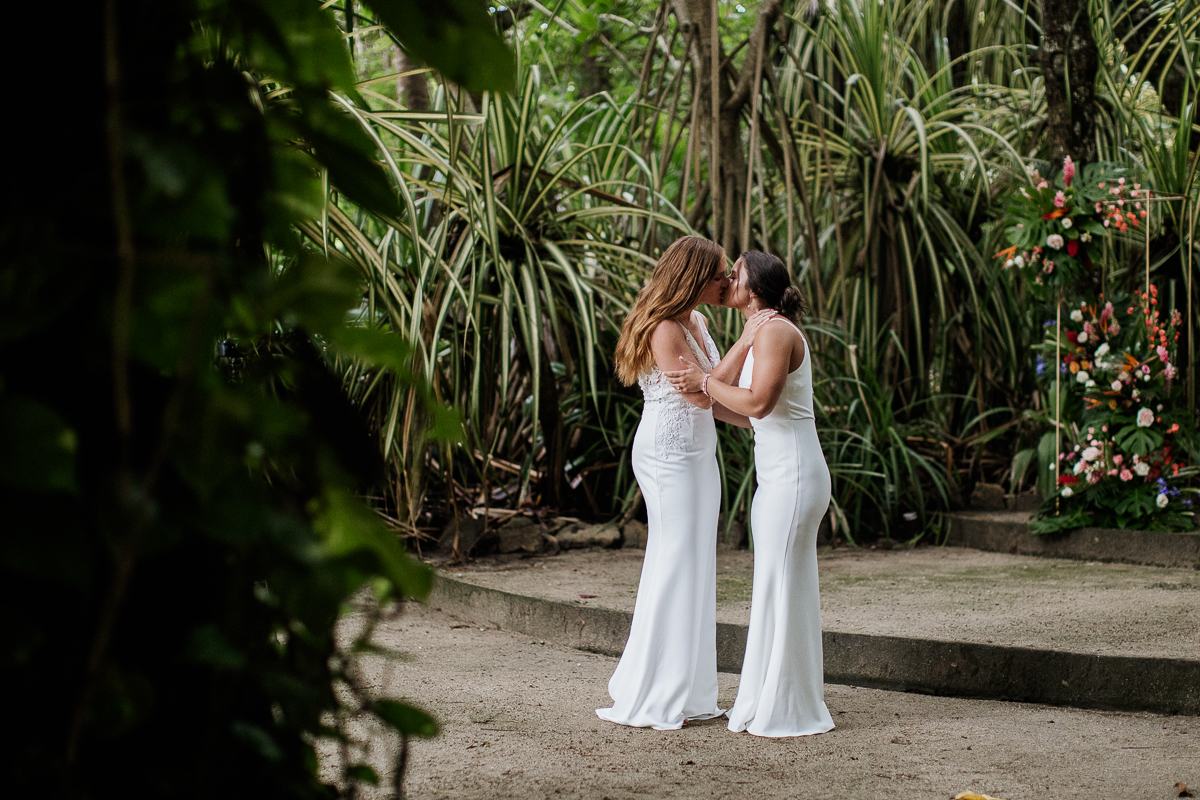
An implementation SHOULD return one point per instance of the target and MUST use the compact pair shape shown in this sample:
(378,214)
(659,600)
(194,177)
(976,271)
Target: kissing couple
(667,674)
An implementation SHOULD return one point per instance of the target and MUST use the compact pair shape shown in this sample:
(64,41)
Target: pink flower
(1118,458)
(1163,355)
(1126,475)
(1060,200)
(1068,171)
(1042,185)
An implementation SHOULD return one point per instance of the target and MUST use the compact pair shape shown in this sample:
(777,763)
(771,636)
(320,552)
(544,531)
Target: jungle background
(872,146)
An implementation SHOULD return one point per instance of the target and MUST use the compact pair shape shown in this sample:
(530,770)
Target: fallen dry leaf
(973,796)
(1182,790)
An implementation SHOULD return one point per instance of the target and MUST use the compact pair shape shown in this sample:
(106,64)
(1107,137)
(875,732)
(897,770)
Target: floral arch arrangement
(1122,433)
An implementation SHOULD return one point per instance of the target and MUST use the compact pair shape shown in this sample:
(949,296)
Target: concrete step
(1008,532)
(947,621)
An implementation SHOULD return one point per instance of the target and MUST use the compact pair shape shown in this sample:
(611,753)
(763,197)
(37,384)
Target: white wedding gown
(668,671)
(782,689)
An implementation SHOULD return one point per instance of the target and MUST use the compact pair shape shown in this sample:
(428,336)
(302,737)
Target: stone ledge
(887,662)
(1008,532)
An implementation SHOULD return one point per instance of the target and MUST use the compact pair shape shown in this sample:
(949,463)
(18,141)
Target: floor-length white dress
(668,671)
(782,688)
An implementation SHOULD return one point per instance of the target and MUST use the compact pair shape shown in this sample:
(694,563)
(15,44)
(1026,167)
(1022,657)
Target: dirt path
(518,722)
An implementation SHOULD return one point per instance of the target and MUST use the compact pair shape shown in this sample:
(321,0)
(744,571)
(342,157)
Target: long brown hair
(675,286)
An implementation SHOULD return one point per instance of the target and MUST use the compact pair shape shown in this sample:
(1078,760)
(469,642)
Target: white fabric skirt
(782,689)
(668,671)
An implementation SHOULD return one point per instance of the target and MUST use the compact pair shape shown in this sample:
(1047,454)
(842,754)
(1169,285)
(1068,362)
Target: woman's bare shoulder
(666,332)
(777,331)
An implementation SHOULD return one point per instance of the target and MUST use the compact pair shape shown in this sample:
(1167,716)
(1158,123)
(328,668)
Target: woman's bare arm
(733,418)
(670,347)
(772,357)
(730,368)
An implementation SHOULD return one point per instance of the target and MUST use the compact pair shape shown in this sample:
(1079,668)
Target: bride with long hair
(668,671)
(782,690)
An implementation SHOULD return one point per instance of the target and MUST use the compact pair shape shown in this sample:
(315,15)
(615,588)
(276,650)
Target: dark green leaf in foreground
(406,719)
(37,448)
(455,37)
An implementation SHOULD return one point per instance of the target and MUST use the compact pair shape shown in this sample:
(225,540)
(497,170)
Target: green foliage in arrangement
(181,526)
(1056,229)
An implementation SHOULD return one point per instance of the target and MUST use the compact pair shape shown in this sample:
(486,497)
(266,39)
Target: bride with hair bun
(782,688)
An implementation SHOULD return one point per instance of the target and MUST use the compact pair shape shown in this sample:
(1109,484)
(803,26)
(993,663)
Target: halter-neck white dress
(668,671)
(782,689)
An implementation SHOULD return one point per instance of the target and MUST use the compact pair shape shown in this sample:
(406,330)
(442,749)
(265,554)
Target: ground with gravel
(518,721)
(942,593)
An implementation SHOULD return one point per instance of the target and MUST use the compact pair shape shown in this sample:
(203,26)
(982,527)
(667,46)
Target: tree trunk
(733,92)
(413,89)
(1069,61)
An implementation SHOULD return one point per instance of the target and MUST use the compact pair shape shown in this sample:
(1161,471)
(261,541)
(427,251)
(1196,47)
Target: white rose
(1122,376)
(1145,377)
(1067,491)
(1009,263)
(1145,418)
(1142,468)
(1066,221)
(1091,454)
(1019,261)
(1162,500)
(1082,337)
(1102,350)
(1081,376)
(1077,316)
(1080,466)
(1090,384)
(1117,386)
(1054,240)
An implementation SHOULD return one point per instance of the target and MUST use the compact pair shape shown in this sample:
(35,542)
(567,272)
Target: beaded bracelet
(704,385)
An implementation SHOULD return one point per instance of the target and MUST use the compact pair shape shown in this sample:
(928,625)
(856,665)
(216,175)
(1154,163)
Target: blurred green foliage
(180,527)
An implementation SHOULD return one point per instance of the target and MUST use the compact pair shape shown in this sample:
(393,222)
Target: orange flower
(1006,252)
(1055,214)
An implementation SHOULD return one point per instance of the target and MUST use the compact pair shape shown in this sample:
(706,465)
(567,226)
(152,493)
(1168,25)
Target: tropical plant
(178,541)
(510,267)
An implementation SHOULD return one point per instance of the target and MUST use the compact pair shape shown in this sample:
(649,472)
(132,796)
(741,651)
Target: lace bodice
(656,389)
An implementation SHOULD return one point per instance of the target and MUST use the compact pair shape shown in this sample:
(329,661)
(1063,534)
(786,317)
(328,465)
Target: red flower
(1072,247)
(1072,337)
(1066,479)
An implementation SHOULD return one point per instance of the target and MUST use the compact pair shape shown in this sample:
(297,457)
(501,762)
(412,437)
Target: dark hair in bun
(768,278)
